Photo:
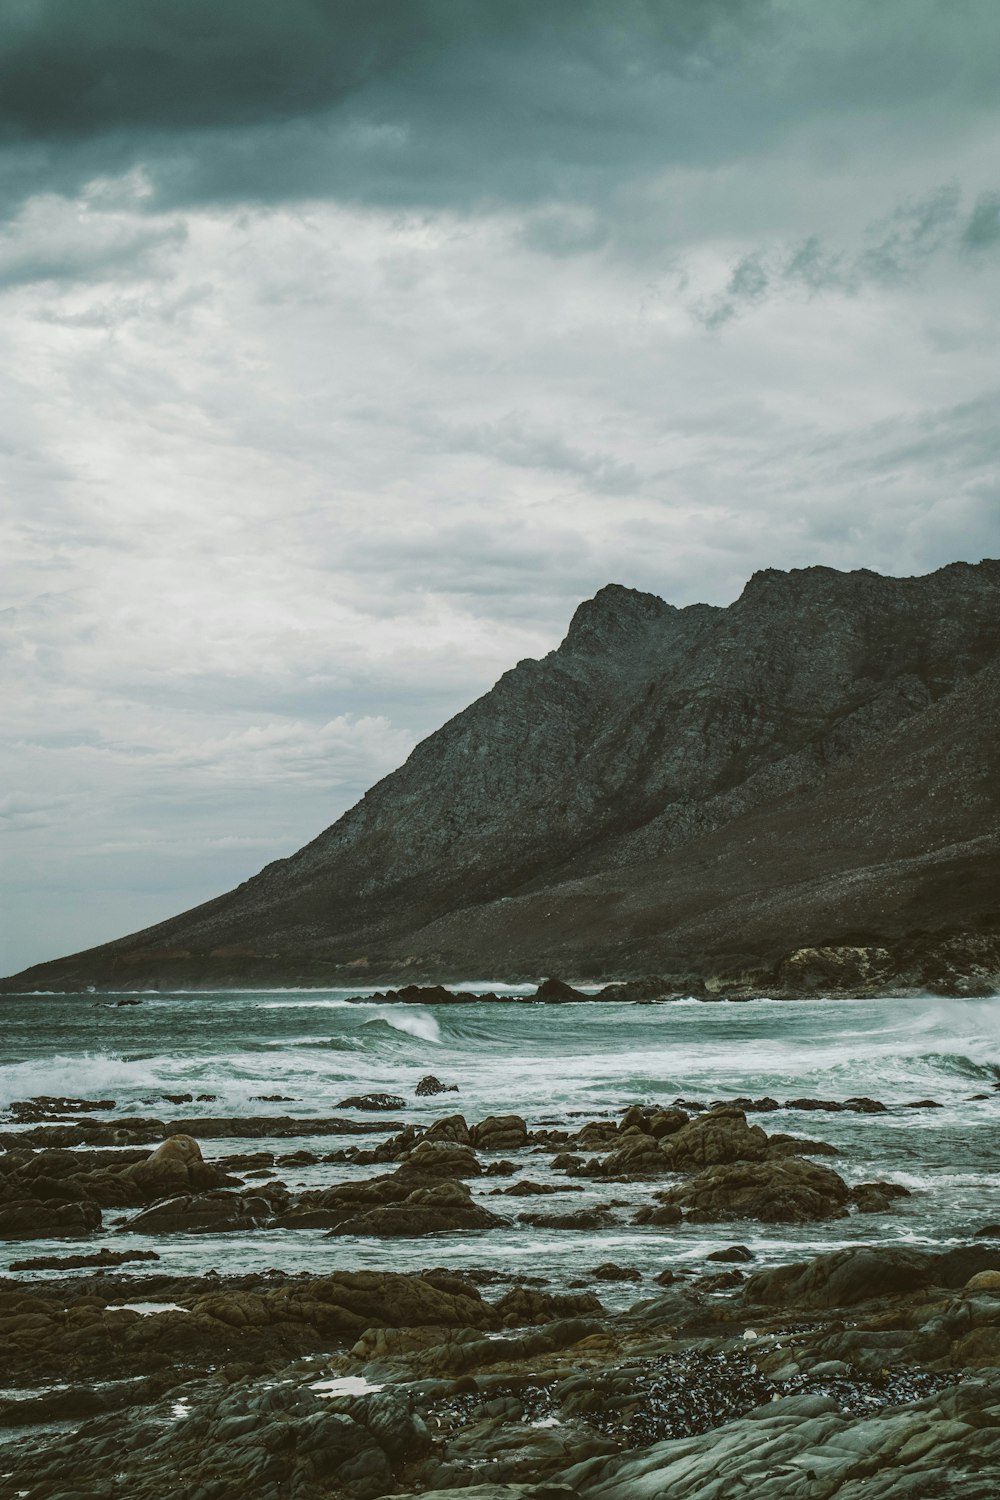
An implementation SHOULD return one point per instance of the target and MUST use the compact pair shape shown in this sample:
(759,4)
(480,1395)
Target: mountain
(703,788)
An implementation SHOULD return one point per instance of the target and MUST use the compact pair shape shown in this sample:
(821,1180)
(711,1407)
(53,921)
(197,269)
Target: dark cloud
(438,102)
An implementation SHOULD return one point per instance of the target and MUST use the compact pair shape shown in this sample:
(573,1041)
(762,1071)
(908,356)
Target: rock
(372,1102)
(430,1085)
(712,1139)
(654,987)
(984,1281)
(608,1271)
(721,1281)
(439,1209)
(31,1220)
(524,1305)
(451,1128)
(732,1252)
(877,1197)
(175,1167)
(787,1191)
(44,1106)
(832,970)
(203,1213)
(843,1278)
(582,1218)
(500,1133)
(439,1158)
(99,1258)
(556,989)
(662,1216)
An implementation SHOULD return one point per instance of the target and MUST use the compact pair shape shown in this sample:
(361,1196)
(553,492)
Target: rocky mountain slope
(703,787)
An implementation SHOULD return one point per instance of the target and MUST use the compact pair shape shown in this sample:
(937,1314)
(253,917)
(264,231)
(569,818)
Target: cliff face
(685,785)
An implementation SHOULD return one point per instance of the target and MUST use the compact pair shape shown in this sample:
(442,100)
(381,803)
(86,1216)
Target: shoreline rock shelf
(373,1383)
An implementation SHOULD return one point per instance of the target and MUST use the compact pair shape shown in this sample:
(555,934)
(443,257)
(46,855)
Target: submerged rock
(372,1102)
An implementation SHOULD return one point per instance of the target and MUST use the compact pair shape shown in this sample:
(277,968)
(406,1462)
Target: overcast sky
(348,344)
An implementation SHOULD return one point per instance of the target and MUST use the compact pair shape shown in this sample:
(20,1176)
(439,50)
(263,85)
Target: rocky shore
(862,1371)
(865,1372)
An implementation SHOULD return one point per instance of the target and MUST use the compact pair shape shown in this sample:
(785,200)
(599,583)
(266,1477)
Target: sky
(346,345)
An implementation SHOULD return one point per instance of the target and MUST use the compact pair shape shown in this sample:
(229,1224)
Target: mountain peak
(614,614)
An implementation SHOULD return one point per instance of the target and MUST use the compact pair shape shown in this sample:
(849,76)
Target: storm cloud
(348,344)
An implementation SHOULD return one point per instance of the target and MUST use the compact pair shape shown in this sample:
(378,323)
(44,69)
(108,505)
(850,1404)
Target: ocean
(557,1066)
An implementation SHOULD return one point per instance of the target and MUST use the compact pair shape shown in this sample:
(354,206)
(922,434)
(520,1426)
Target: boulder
(500,1133)
(439,1158)
(450,1128)
(787,1191)
(175,1167)
(609,1271)
(429,1085)
(721,1135)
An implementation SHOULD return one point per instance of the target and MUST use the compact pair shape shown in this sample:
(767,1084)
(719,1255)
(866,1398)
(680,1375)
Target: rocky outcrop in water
(806,783)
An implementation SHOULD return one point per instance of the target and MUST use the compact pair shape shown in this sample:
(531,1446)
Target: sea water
(558,1066)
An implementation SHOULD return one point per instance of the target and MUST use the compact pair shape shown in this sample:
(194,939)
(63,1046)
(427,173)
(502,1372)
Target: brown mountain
(696,788)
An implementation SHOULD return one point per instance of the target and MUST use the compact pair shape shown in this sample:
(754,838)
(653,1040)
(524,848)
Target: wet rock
(788,1191)
(720,1281)
(439,1158)
(31,1220)
(500,1133)
(718,1137)
(430,1085)
(740,1253)
(99,1258)
(843,1278)
(582,1218)
(372,1102)
(451,1128)
(203,1213)
(662,1216)
(877,1197)
(609,1271)
(44,1106)
(529,1189)
(445,1207)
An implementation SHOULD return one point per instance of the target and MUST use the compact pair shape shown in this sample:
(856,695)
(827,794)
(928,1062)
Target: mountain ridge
(621,758)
